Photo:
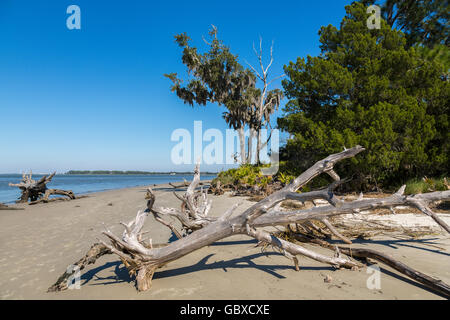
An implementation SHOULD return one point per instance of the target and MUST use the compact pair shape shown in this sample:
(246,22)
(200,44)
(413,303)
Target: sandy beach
(39,242)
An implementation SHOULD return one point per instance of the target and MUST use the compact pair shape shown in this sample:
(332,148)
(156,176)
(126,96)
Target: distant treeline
(117,172)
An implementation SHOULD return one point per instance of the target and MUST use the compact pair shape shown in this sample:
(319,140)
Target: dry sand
(38,243)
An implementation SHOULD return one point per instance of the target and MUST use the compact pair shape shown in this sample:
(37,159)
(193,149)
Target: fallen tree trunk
(37,191)
(5,207)
(185,184)
(435,284)
(96,251)
(432,283)
(317,213)
(46,198)
(142,259)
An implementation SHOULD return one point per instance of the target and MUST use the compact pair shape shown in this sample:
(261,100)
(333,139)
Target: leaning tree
(142,258)
(37,191)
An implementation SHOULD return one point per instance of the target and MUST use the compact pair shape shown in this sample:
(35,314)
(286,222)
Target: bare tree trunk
(250,145)
(241,133)
(258,146)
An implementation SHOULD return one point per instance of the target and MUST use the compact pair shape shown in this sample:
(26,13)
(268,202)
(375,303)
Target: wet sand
(38,243)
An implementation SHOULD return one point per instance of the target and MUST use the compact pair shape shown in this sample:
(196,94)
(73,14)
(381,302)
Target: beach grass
(425,184)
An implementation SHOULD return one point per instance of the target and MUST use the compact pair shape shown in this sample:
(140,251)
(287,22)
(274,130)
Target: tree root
(37,191)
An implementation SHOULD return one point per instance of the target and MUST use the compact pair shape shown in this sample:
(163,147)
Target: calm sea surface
(82,184)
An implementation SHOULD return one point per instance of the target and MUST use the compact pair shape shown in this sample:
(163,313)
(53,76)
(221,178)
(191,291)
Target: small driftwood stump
(37,191)
(142,259)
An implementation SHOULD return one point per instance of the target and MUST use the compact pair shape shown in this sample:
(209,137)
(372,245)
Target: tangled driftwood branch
(37,191)
(142,258)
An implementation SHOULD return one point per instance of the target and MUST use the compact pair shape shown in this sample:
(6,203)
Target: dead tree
(265,104)
(142,259)
(37,191)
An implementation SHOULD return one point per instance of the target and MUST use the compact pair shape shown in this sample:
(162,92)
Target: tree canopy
(368,87)
(422,21)
(216,77)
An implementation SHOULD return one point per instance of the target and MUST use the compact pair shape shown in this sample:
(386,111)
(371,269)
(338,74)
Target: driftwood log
(37,191)
(5,207)
(142,259)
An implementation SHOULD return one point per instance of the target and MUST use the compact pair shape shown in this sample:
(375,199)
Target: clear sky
(96,98)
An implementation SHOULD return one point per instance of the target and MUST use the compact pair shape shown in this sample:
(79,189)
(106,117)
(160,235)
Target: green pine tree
(368,87)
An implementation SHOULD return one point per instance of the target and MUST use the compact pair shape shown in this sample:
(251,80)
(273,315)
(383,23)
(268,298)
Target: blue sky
(96,98)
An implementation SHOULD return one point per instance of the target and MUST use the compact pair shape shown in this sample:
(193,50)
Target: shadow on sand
(120,273)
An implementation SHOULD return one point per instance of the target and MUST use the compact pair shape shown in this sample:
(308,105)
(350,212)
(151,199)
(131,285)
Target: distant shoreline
(85,183)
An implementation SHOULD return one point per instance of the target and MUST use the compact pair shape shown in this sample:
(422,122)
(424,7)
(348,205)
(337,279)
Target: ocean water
(83,184)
